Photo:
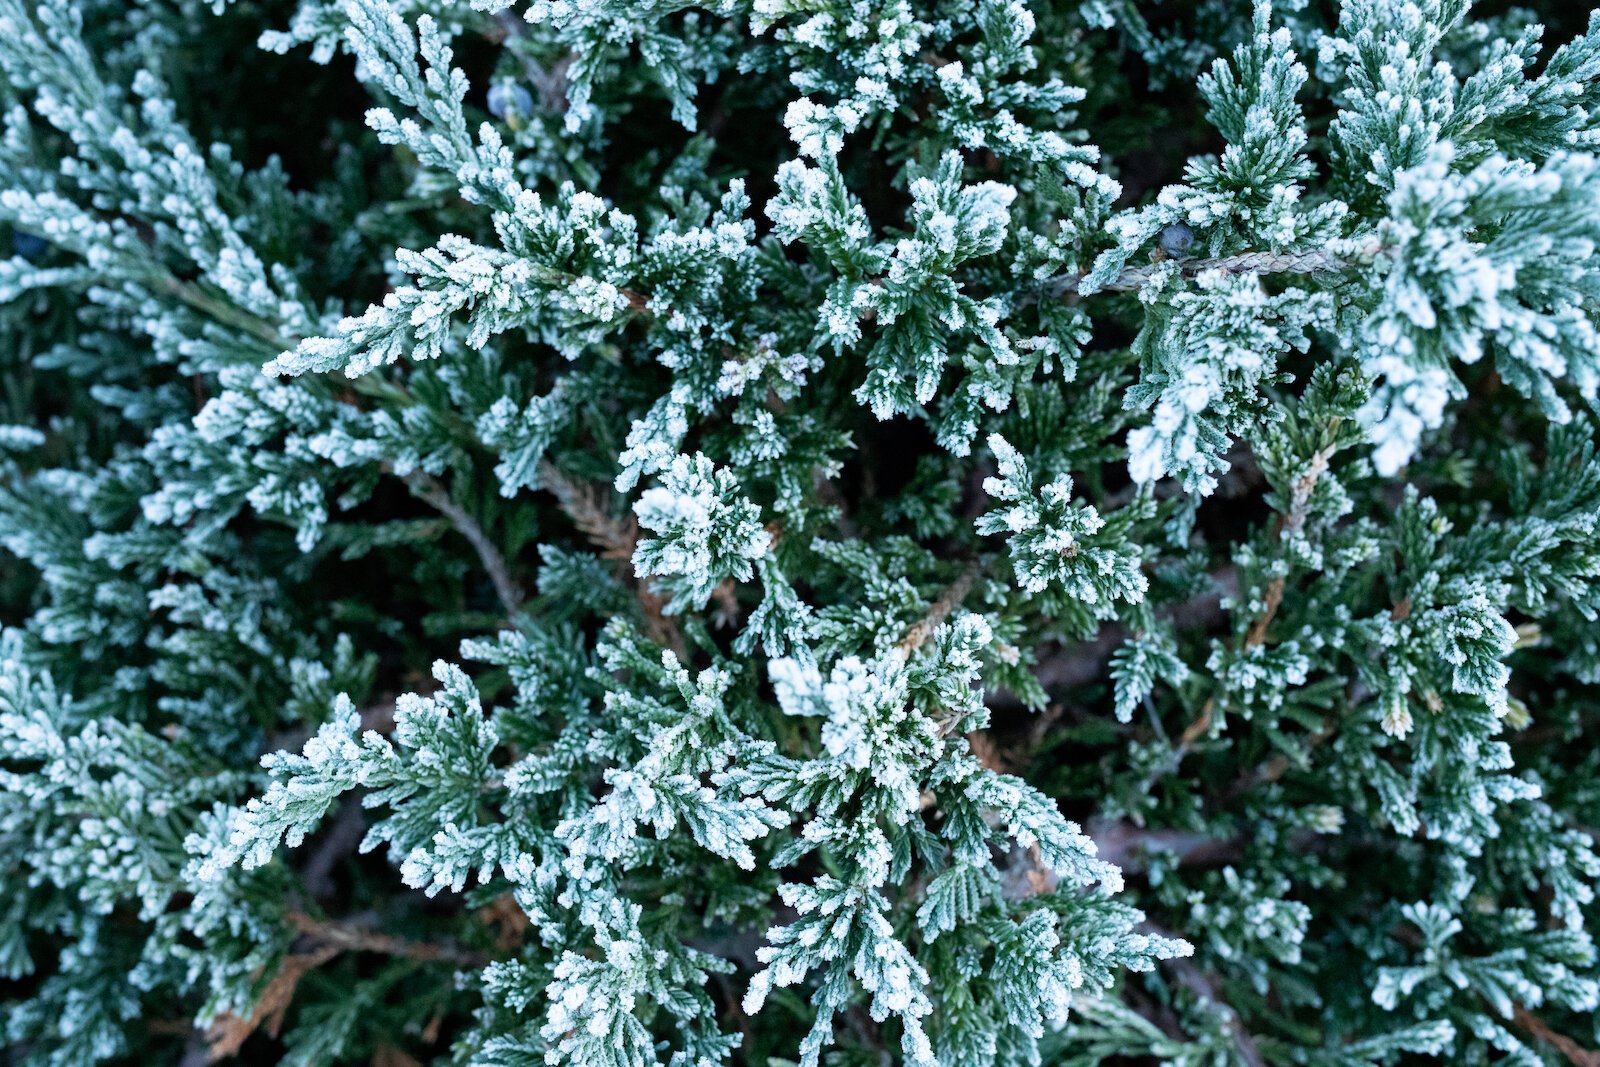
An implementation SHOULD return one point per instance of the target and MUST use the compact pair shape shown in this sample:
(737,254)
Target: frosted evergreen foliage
(611,534)
(703,532)
(1053,541)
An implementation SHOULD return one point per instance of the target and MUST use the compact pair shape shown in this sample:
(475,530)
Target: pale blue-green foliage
(1206,351)
(591,1018)
(596,33)
(1252,196)
(438,772)
(553,273)
(781,621)
(227,466)
(98,809)
(980,102)
(679,779)
(1534,967)
(1460,261)
(429,775)
(905,287)
(1457,266)
(555,257)
(1496,258)
(1252,922)
(521,436)
(1398,103)
(731,740)
(565,266)
(134,160)
(1054,541)
(389,52)
(1205,355)
(1252,104)
(1136,666)
(139,162)
(680,757)
(701,532)
(864,799)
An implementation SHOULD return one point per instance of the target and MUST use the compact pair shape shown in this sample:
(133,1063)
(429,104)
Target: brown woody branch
(327,939)
(229,1032)
(1574,1053)
(948,601)
(616,539)
(1289,525)
(346,936)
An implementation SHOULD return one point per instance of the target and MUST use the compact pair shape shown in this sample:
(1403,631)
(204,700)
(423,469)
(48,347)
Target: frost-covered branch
(1133,279)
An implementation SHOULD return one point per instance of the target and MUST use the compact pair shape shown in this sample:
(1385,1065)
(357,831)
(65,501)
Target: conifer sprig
(618,534)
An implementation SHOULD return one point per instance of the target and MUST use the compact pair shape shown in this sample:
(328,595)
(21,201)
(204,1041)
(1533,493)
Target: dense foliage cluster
(799,532)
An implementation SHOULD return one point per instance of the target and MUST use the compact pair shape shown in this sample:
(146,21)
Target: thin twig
(221,311)
(1293,522)
(350,937)
(1316,261)
(1575,1053)
(1288,526)
(948,601)
(430,492)
(341,840)
(1127,846)
(1276,767)
(1086,661)
(424,486)
(550,83)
